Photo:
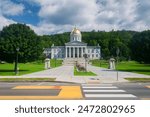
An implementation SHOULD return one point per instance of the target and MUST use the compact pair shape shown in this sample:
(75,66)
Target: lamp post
(117,53)
(16,61)
(100,57)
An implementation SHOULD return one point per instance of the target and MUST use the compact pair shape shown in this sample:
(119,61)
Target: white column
(82,52)
(69,52)
(73,52)
(78,52)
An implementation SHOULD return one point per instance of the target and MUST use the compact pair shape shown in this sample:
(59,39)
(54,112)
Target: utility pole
(16,62)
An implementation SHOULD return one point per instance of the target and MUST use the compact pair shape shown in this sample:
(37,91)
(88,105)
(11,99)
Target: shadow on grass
(12,70)
(135,70)
(109,70)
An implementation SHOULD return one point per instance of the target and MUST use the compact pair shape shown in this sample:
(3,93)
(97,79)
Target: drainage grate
(94,79)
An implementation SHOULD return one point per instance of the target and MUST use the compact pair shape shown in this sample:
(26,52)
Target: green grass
(100,63)
(55,63)
(82,73)
(138,79)
(129,66)
(7,69)
(133,66)
(27,79)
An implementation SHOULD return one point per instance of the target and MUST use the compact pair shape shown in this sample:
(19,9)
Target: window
(96,55)
(92,50)
(97,51)
(88,51)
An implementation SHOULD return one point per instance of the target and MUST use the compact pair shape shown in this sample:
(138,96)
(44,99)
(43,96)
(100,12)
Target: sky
(58,16)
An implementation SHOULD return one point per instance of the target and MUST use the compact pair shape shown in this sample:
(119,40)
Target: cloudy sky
(57,16)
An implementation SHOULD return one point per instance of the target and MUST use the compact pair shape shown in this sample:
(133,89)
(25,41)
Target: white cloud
(5,22)
(106,15)
(68,11)
(61,15)
(9,8)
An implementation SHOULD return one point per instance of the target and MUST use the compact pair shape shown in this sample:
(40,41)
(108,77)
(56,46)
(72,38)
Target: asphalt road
(116,91)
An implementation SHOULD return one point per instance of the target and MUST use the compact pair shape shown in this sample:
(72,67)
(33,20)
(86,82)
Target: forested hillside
(132,45)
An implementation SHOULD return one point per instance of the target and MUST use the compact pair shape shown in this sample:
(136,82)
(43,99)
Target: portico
(75,51)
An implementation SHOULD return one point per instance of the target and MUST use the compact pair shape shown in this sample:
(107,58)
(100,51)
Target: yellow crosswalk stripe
(37,87)
(147,86)
(67,92)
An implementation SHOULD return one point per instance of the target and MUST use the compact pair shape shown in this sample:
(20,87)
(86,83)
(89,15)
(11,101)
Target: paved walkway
(110,76)
(65,74)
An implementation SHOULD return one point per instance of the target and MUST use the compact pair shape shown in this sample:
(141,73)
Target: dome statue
(75,35)
(75,31)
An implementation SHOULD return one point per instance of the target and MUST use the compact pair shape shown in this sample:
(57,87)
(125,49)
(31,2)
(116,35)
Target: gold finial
(75,27)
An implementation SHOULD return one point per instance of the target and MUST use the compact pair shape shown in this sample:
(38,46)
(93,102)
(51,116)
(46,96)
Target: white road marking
(40,83)
(112,87)
(110,95)
(96,91)
(96,84)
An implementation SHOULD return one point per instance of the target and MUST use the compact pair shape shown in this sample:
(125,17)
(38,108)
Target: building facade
(74,49)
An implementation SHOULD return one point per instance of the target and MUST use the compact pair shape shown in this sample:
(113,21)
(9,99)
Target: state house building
(74,50)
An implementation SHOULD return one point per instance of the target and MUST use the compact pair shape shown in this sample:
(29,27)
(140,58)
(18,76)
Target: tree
(140,46)
(22,37)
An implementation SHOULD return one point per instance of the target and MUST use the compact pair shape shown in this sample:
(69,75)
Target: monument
(47,63)
(112,64)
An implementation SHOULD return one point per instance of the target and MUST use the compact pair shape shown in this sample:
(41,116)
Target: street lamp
(85,57)
(117,53)
(16,61)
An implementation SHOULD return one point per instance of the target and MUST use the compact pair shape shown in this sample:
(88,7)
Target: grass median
(27,79)
(83,73)
(138,79)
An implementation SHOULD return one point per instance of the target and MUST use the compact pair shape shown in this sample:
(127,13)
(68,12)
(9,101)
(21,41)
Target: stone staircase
(73,61)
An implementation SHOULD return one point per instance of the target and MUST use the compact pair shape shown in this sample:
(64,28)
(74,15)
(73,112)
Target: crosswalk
(105,91)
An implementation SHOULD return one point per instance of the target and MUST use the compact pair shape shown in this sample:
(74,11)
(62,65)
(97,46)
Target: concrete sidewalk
(110,76)
(65,74)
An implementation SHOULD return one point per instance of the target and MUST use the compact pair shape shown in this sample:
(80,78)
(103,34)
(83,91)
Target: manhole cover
(94,79)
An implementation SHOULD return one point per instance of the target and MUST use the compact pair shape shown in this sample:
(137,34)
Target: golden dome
(75,31)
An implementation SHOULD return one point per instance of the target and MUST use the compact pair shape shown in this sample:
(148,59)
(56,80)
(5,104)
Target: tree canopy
(19,36)
(140,46)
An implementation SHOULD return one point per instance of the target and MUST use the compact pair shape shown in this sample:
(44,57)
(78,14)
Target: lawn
(130,66)
(55,63)
(7,69)
(82,73)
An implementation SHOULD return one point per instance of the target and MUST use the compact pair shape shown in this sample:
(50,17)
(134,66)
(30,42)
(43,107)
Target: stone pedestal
(47,63)
(112,64)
